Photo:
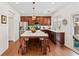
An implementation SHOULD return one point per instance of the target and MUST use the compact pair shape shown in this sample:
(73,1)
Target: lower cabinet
(56,37)
(59,38)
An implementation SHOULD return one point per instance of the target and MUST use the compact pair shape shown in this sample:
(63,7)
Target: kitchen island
(57,37)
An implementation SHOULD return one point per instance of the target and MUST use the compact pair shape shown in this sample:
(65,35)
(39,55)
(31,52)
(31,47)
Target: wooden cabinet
(24,18)
(30,21)
(43,20)
(61,38)
(47,21)
(51,35)
(56,37)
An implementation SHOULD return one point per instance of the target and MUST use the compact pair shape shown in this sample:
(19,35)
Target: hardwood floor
(56,50)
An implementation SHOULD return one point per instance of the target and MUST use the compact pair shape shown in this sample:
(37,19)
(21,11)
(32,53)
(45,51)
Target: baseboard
(7,47)
(16,39)
(74,50)
(11,40)
(3,51)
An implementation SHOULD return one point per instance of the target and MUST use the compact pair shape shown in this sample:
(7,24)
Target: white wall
(3,29)
(4,7)
(66,13)
(11,25)
(16,20)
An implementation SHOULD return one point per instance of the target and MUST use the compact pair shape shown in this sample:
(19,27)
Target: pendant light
(33,17)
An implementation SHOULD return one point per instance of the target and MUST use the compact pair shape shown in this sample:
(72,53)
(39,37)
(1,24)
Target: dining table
(24,37)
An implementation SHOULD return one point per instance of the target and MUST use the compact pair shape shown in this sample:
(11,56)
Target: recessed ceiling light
(48,10)
(44,11)
(17,2)
(53,2)
(22,11)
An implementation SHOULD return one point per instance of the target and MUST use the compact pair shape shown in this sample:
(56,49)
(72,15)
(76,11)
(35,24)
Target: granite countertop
(55,30)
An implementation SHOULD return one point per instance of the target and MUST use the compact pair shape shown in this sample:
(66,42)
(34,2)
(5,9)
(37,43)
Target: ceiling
(41,8)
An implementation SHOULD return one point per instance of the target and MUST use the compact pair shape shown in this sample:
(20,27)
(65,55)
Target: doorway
(11,25)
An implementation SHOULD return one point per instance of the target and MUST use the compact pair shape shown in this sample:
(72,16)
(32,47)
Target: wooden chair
(44,45)
(23,45)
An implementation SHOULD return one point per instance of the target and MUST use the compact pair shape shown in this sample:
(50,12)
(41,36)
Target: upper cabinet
(43,20)
(24,18)
(47,20)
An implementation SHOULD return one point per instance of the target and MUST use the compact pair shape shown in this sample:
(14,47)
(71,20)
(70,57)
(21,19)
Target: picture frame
(3,19)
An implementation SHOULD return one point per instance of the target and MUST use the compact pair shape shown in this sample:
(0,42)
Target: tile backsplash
(45,27)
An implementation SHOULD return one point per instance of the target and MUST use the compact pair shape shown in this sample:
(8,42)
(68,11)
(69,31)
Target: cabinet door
(60,38)
(45,21)
(49,20)
(30,21)
(37,19)
(41,21)
(24,19)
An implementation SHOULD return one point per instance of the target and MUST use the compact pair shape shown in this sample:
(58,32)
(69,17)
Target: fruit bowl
(33,30)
